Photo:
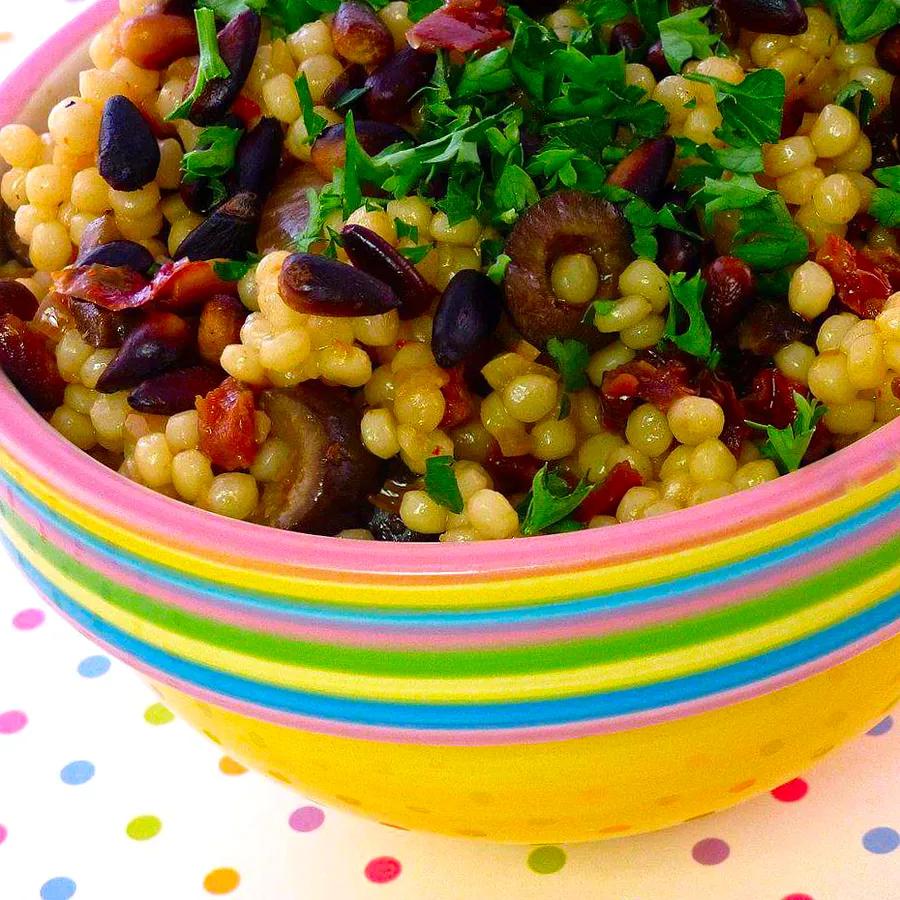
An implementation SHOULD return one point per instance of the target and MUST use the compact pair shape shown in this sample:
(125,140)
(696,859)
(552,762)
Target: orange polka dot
(229,766)
(221,881)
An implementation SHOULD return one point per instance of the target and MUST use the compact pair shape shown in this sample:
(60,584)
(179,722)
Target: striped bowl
(571,687)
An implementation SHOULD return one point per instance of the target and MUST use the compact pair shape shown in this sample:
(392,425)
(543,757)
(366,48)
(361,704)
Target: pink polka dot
(791,791)
(383,869)
(12,721)
(3,833)
(797,897)
(306,818)
(710,851)
(28,619)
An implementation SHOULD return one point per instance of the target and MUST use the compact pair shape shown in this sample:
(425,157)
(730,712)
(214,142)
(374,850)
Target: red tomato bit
(859,284)
(462,25)
(604,499)
(227,420)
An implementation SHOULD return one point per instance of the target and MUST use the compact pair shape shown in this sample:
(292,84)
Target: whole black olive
(238,42)
(257,158)
(129,153)
(391,88)
(229,233)
(466,315)
(118,253)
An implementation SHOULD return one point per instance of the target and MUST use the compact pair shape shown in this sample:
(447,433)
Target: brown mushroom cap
(286,212)
(562,223)
(331,473)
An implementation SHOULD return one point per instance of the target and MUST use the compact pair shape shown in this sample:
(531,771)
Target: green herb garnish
(787,446)
(213,157)
(550,503)
(441,484)
(752,110)
(863,19)
(686,325)
(236,269)
(314,123)
(211,65)
(885,203)
(858,99)
(686,36)
(571,358)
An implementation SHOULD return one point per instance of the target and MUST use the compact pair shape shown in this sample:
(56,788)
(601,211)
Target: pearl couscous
(470,277)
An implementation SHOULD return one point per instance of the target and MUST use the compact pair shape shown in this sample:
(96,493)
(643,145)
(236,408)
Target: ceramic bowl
(571,687)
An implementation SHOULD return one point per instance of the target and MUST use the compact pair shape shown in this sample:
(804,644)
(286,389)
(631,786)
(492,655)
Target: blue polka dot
(93,666)
(77,772)
(881,840)
(883,727)
(58,889)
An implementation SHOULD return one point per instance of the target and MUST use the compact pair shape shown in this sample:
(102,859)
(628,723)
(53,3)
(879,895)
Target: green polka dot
(546,860)
(157,714)
(143,828)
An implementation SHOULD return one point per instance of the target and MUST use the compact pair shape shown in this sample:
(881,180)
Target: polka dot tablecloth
(105,796)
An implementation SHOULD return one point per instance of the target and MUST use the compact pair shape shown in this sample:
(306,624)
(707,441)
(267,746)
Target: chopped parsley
(686,326)
(416,254)
(571,358)
(211,65)
(213,157)
(418,9)
(548,507)
(321,205)
(497,269)
(885,202)
(236,269)
(441,484)
(787,446)
(406,231)
(286,16)
(858,99)
(752,110)
(863,19)
(766,237)
(686,36)
(312,121)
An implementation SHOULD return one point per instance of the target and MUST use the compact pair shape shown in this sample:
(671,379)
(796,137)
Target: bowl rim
(69,472)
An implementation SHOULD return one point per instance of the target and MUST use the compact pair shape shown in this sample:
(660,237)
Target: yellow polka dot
(229,766)
(143,828)
(157,714)
(221,881)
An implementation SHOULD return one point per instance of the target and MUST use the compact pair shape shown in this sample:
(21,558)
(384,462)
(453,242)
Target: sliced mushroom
(287,210)
(331,474)
(562,223)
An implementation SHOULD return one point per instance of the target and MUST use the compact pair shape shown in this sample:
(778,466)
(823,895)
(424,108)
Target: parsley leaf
(719,195)
(497,269)
(486,74)
(863,19)
(441,484)
(858,99)
(314,123)
(416,254)
(406,231)
(767,238)
(885,202)
(787,446)
(686,326)
(211,65)
(285,15)
(550,502)
(514,192)
(686,36)
(236,269)
(752,110)
(418,9)
(321,205)
(213,157)
(571,358)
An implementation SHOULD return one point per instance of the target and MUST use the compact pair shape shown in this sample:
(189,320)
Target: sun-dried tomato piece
(771,398)
(29,364)
(821,444)
(227,421)
(604,499)
(177,285)
(458,406)
(463,25)
(247,110)
(659,383)
(886,260)
(859,284)
(511,474)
